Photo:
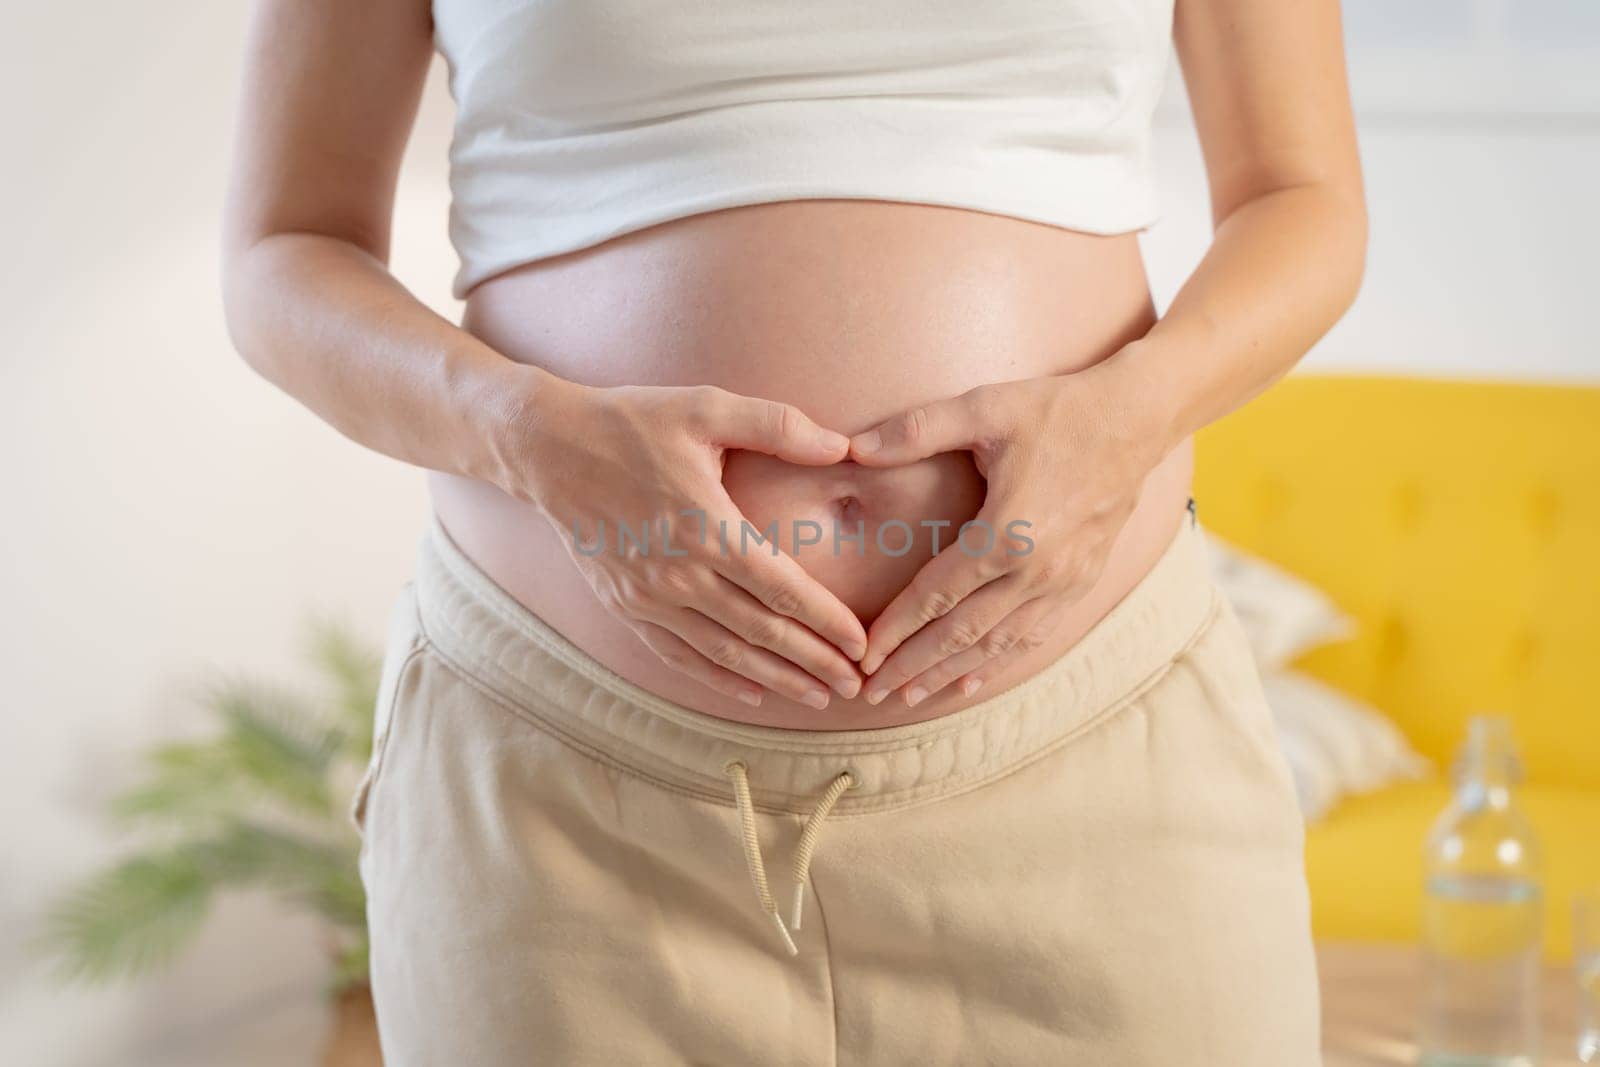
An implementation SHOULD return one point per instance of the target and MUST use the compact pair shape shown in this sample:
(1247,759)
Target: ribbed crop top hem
(579,121)
(1120,215)
(811,155)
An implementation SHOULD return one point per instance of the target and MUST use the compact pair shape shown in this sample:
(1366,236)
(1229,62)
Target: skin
(1077,441)
(329,95)
(858,310)
(1271,104)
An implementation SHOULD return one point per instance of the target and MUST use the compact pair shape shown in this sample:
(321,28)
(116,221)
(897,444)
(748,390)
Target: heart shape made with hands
(862,532)
(1009,462)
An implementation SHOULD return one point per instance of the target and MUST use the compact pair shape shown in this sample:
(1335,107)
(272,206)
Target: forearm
(325,321)
(1280,271)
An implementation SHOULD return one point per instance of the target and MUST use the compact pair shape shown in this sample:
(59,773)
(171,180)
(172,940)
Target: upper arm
(330,91)
(1271,101)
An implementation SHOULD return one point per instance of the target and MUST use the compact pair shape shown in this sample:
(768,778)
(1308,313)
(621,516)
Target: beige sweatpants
(1101,866)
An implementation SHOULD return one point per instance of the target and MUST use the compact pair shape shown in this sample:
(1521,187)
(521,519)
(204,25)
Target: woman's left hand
(1065,459)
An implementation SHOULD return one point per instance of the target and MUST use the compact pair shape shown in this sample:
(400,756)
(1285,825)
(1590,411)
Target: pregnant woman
(811,659)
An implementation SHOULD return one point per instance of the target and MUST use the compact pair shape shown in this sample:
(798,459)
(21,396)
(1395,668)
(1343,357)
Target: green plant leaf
(130,918)
(186,784)
(138,914)
(353,965)
(275,761)
(275,742)
(319,874)
(273,745)
(353,670)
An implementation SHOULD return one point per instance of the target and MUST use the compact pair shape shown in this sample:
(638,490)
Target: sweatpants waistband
(537,673)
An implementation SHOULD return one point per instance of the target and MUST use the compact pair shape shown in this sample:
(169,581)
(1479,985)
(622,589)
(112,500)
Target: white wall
(1482,258)
(1480,141)
(166,511)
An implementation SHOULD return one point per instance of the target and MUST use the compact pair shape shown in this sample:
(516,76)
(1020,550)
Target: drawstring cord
(808,842)
(740,776)
(752,851)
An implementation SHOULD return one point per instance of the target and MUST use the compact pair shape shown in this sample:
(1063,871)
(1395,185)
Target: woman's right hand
(740,622)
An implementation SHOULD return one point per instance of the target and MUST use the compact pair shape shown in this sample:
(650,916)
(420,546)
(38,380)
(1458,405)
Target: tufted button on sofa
(1459,523)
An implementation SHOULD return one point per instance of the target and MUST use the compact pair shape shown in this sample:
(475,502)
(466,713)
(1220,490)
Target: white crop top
(581,120)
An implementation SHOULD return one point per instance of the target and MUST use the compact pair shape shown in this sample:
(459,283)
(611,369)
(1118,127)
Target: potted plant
(259,804)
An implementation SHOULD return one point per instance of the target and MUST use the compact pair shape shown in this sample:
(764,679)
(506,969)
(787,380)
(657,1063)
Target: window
(1483,57)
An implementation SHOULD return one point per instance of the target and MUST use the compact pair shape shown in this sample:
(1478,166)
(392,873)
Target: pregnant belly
(852,311)
(860,531)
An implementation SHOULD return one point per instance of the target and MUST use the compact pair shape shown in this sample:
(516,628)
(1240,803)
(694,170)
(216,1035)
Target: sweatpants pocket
(1241,700)
(402,646)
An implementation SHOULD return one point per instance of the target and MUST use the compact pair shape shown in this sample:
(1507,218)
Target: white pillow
(1282,614)
(1315,784)
(1335,744)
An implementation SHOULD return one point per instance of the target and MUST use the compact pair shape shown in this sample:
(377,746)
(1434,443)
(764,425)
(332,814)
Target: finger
(1017,634)
(917,433)
(950,635)
(934,591)
(775,429)
(1032,639)
(728,650)
(739,612)
(783,586)
(677,653)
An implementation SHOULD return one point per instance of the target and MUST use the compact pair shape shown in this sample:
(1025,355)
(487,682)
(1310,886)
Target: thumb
(775,429)
(917,433)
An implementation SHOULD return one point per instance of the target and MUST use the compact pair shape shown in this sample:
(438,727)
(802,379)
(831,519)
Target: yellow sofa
(1459,523)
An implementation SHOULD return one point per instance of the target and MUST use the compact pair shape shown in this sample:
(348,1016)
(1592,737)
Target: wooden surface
(1369,1005)
(1370,994)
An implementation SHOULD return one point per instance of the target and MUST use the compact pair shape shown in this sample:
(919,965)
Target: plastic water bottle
(1482,915)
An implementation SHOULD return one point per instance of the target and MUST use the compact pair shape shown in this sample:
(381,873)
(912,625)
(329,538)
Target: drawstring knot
(801,870)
